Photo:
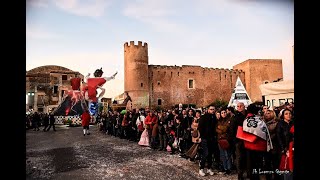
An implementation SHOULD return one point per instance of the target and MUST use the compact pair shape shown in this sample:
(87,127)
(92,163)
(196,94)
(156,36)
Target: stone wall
(171,85)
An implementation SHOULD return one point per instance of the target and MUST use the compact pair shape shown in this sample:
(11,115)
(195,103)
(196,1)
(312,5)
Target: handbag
(223,143)
(195,133)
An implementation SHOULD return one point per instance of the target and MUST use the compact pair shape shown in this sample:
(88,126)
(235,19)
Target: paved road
(66,154)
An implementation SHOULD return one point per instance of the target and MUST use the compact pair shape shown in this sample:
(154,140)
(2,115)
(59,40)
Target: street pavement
(66,154)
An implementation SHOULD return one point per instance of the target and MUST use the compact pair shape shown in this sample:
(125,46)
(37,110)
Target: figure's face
(287,115)
(240,107)
(223,114)
(218,115)
(211,110)
(184,112)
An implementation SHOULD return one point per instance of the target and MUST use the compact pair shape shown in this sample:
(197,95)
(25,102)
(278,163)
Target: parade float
(83,95)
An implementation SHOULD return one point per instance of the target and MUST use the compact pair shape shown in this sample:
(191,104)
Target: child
(171,141)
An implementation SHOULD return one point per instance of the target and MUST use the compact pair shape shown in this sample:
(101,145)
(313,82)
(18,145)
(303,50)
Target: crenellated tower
(136,73)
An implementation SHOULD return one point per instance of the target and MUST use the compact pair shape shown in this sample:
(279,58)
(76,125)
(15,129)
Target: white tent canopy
(280,87)
(277,93)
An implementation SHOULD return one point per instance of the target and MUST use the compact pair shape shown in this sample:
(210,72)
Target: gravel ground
(67,154)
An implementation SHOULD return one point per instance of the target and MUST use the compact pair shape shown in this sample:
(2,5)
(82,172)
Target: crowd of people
(36,120)
(216,138)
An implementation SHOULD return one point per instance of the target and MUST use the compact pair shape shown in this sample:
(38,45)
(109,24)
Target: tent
(277,93)
(239,94)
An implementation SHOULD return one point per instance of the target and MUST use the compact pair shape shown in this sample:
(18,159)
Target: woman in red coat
(85,117)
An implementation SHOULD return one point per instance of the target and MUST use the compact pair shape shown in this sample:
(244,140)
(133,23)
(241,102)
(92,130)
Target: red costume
(91,88)
(85,117)
(75,83)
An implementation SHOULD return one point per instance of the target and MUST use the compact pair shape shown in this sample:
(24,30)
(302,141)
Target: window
(159,83)
(178,73)
(141,84)
(190,84)
(159,102)
(62,92)
(64,77)
(55,89)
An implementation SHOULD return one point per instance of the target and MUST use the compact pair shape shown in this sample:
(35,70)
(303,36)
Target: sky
(83,35)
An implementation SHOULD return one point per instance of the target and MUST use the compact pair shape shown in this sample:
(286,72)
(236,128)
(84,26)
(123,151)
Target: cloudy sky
(84,35)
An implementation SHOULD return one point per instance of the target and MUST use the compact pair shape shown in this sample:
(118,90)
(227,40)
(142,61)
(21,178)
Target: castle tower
(136,81)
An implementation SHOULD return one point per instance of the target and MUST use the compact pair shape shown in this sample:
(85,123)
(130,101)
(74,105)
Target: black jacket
(52,120)
(237,121)
(283,135)
(207,126)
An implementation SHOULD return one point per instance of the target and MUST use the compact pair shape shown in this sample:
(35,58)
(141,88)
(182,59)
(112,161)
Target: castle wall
(257,72)
(170,84)
(136,73)
(149,85)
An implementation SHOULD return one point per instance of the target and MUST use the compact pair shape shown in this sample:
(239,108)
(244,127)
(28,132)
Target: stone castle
(166,86)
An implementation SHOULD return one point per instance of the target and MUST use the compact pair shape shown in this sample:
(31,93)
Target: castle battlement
(165,67)
(145,45)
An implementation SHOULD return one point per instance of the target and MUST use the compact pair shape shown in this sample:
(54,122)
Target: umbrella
(123,111)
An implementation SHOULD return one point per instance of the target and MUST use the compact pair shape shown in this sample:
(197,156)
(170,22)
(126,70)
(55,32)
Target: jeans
(225,157)
(207,151)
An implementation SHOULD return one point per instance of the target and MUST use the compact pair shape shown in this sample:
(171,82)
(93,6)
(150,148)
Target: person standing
(51,122)
(224,139)
(85,117)
(45,121)
(241,159)
(36,121)
(206,126)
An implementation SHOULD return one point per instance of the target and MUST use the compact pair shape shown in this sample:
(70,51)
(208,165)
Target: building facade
(166,86)
(45,86)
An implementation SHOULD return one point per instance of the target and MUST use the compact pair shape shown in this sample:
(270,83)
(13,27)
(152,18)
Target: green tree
(218,103)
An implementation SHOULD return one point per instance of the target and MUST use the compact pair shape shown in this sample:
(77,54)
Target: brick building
(165,86)
(45,86)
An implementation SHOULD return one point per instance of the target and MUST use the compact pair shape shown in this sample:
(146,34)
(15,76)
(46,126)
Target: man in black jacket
(241,159)
(51,122)
(206,127)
